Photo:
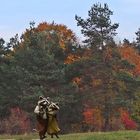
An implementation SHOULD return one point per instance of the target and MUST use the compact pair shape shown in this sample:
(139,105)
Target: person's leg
(41,135)
(56,135)
(42,128)
(51,135)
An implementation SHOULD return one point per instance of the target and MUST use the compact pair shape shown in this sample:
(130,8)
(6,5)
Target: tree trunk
(106,124)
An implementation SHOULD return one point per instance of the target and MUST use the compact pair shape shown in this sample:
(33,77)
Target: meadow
(119,135)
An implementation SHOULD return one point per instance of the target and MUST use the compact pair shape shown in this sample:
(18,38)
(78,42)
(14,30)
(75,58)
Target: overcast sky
(15,15)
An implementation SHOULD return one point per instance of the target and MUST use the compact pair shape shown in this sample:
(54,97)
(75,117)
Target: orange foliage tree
(57,37)
(93,118)
(130,53)
(64,34)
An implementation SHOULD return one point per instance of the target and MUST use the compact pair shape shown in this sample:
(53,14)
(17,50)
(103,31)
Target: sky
(15,15)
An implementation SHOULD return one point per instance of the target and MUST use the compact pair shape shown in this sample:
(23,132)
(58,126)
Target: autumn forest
(96,81)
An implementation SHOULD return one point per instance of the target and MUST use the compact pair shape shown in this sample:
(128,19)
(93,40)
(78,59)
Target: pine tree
(105,81)
(97,28)
(138,39)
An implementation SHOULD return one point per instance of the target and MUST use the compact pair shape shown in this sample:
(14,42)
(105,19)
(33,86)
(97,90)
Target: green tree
(97,28)
(4,50)
(106,82)
(138,39)
(39,69)
(8,90)
(136,109)
(126,42)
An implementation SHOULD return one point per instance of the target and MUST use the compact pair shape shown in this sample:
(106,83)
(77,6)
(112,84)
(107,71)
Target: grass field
(120,135)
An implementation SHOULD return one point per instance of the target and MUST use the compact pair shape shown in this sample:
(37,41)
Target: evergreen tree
(126,42)
(105,79)
(37,68)
(138,39)
(97,28)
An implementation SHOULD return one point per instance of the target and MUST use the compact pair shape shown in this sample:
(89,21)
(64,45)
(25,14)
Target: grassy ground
(120,135)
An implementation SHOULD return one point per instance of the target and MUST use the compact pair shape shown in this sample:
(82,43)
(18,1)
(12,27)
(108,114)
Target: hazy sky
(15,15)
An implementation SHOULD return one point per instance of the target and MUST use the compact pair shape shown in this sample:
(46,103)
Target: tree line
(96,82)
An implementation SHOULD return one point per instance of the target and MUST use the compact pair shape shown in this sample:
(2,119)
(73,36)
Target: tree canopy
(97,84)
(97,28)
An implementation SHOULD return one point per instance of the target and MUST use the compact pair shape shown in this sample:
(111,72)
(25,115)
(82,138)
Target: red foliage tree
(93,118)
(128,123)
(18,122)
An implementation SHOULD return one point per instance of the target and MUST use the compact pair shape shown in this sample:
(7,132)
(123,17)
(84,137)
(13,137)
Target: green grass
(119,135)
